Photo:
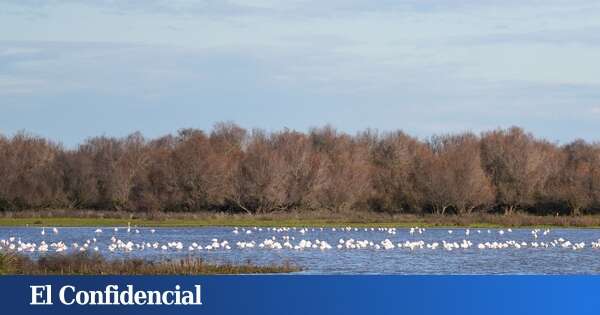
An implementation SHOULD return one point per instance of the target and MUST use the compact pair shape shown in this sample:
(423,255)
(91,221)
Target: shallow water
(551,260)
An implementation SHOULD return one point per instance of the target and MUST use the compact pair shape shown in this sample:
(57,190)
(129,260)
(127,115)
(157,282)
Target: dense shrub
(231,169)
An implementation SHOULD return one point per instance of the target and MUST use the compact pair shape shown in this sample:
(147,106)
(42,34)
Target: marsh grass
(95,264)
(312,218)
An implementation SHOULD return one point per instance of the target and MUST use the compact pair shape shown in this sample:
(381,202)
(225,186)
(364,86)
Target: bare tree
(515,162)
(29,173)
(395,160)
(577,184)
(229,169)
(455,177)
(343,180)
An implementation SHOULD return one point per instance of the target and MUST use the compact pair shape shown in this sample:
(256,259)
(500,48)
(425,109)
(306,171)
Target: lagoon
(557,251)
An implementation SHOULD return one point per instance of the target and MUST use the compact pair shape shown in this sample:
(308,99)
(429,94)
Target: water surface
(527,260)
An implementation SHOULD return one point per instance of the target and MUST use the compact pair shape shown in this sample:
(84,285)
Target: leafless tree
(454,177)
(516,163)
(396,162)
(229,169)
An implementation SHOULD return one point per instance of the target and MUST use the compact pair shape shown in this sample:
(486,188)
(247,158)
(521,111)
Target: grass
(62,218)
(95,264)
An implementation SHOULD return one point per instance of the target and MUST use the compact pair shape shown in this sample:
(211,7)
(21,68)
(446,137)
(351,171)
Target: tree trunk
(508,210)
(468,210)
(243,208)
(441,210)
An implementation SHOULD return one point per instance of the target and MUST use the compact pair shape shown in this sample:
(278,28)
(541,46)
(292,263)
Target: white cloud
(427,64)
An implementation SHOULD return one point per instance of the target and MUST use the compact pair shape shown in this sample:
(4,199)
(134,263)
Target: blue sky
(74,69)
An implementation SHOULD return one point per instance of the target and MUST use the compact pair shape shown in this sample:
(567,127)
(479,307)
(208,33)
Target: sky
(70,70)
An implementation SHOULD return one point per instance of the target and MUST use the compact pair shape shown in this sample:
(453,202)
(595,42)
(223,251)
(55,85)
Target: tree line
(236,170)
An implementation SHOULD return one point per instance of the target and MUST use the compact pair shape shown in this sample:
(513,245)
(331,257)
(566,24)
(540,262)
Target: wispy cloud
(422,65)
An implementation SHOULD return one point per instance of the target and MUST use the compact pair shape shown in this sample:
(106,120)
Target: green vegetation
(93,264)
(63,218)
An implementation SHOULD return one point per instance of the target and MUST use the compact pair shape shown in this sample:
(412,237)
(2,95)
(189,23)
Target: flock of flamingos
(294,238)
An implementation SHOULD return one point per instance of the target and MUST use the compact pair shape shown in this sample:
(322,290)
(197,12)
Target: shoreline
(493,221)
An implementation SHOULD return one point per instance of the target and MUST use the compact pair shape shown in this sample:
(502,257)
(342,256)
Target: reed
(95,264)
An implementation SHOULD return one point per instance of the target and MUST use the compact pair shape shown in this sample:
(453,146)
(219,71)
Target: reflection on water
(550,256)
